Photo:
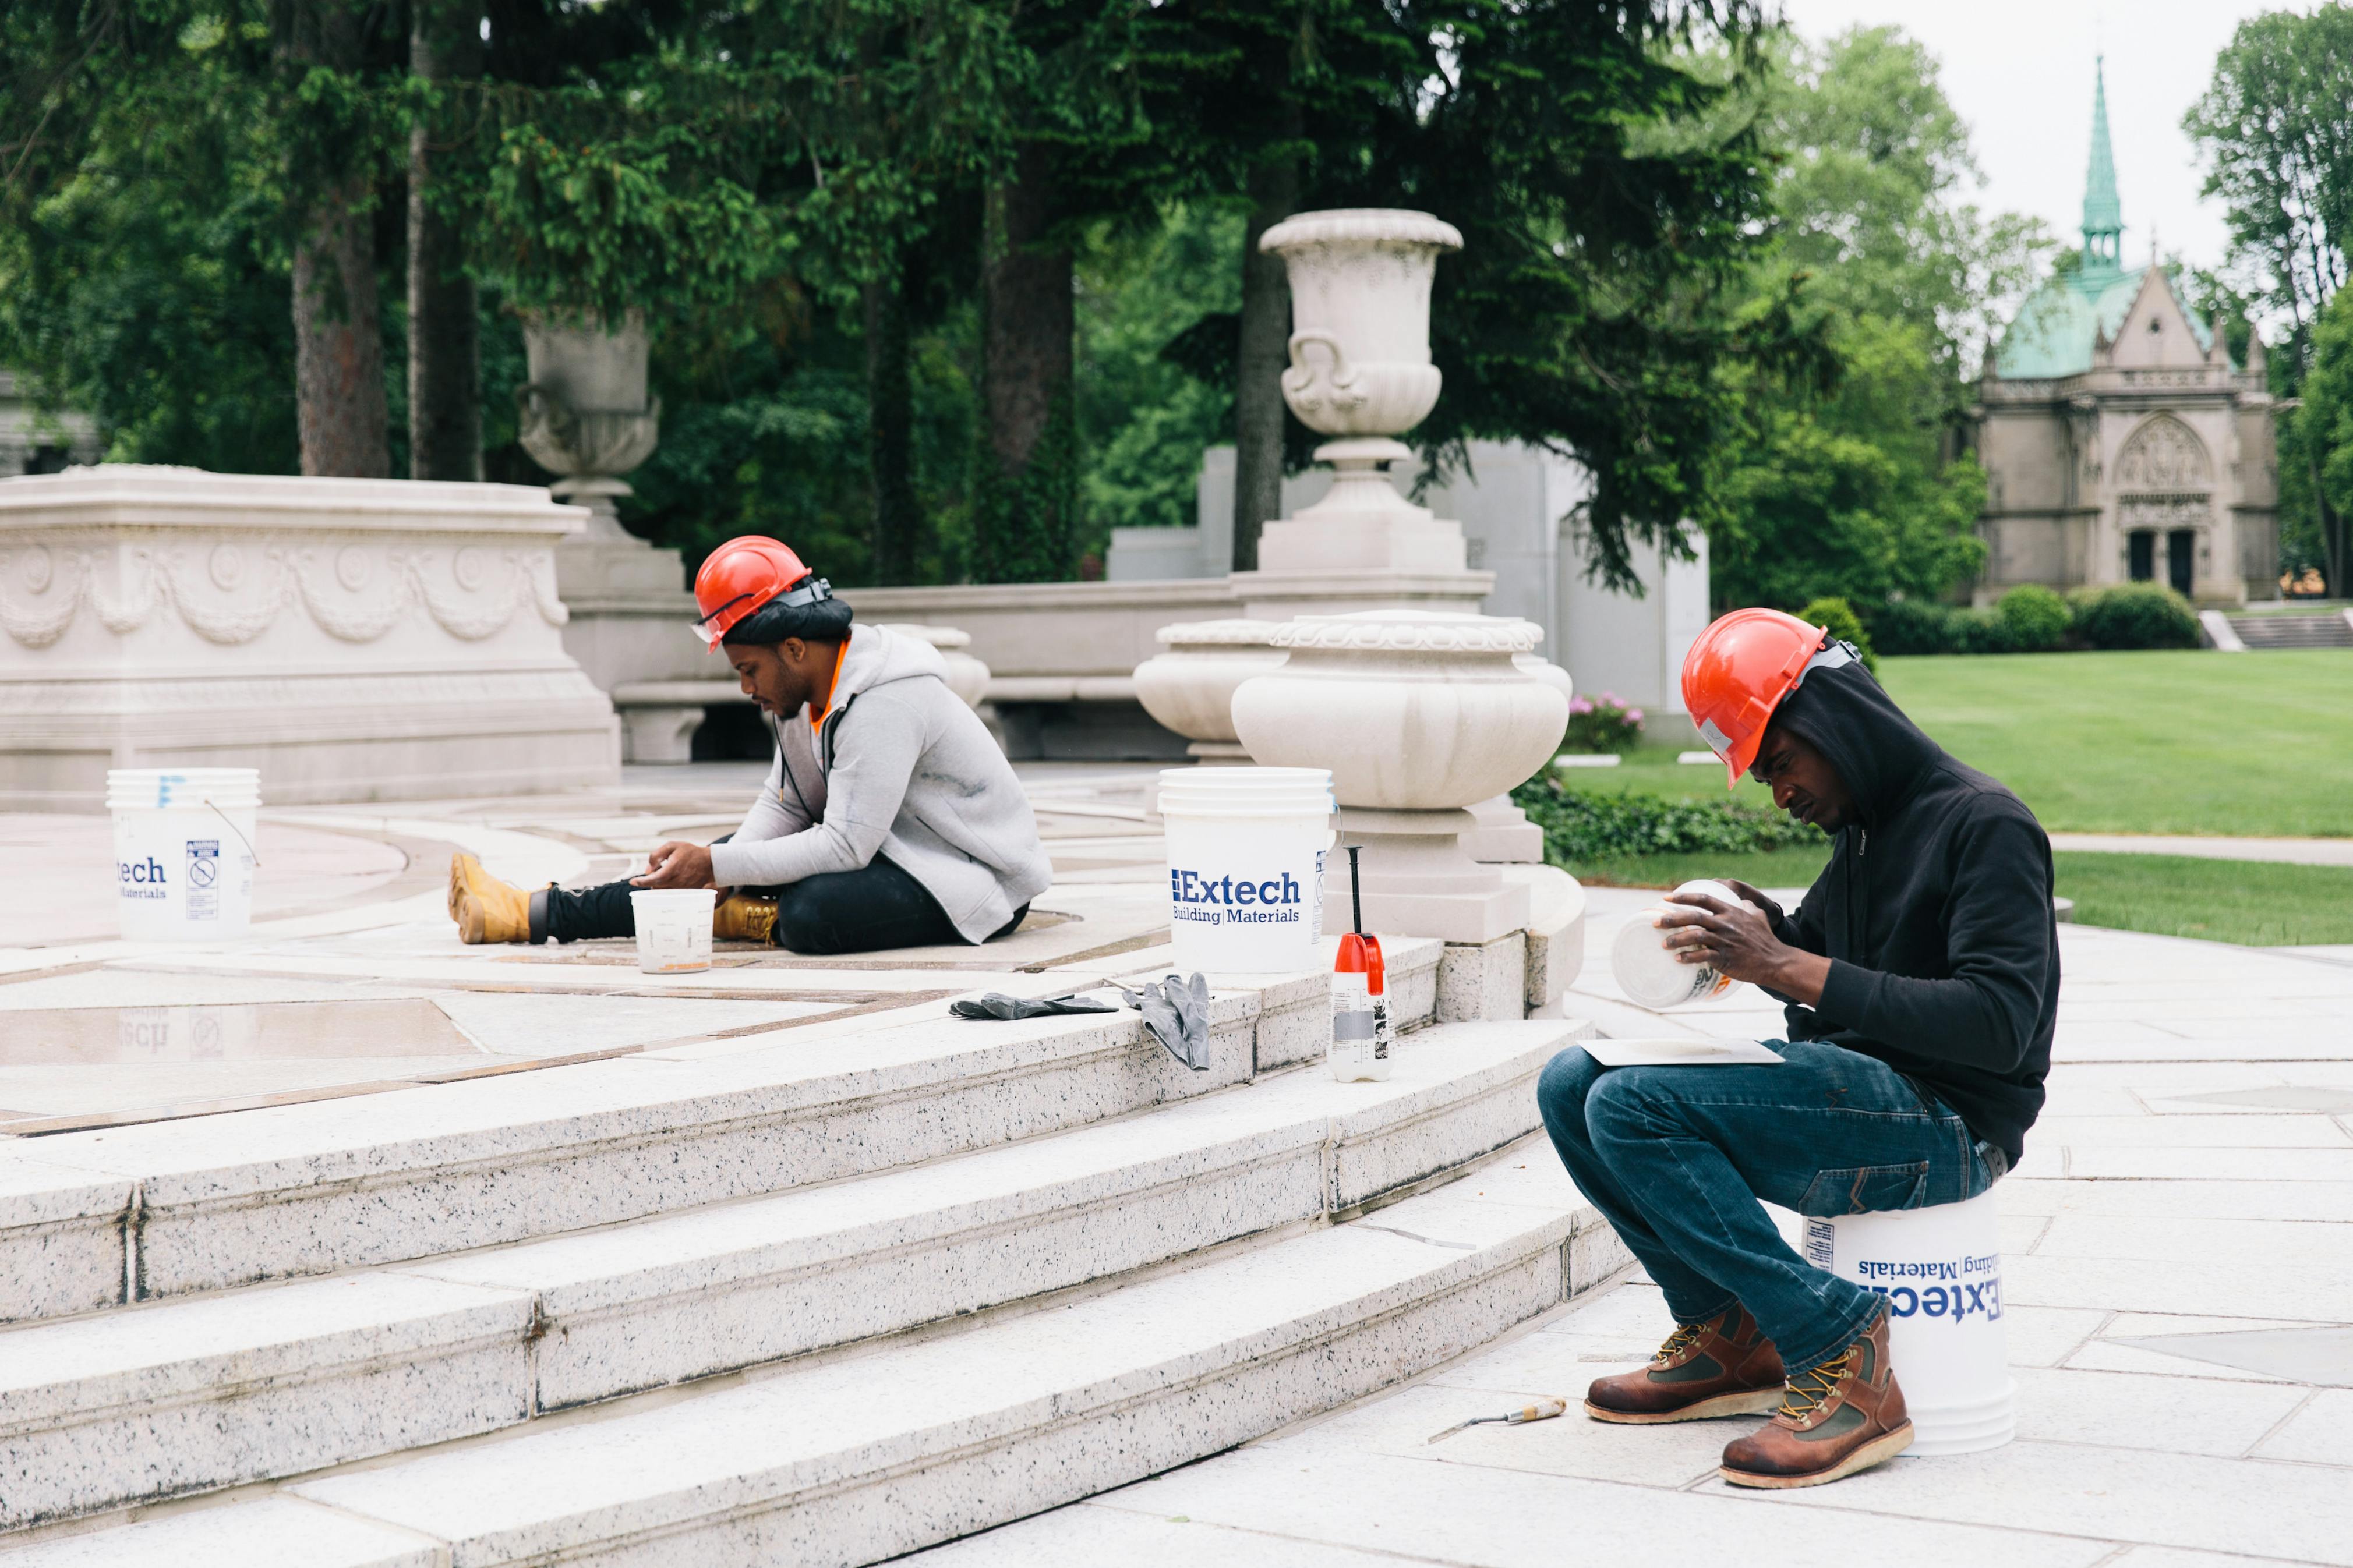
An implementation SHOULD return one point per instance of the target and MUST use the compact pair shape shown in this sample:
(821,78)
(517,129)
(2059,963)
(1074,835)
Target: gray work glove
(997,1004)
(1177,1014)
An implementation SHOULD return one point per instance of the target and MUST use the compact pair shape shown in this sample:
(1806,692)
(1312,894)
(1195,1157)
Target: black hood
(1843,713)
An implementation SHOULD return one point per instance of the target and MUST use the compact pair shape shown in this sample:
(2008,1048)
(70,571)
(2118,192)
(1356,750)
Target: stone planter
(585,414)
(1190,687)
(1418,715)
(1360,372)
(1360,282)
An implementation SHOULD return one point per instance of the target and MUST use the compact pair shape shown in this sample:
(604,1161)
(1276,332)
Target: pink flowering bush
(1603,723)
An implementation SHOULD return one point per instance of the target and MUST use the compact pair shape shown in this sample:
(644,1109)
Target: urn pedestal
(1418,715)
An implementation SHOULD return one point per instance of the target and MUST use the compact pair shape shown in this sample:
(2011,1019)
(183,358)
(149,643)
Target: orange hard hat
(1735,675)
(744,575)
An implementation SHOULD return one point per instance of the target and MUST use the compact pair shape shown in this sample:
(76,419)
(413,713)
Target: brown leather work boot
(486,909)
(1725,1367)
(741,917)
(1839,1417)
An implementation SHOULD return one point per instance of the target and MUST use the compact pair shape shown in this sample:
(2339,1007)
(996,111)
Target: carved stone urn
(1190,687)
(585,414)
(1418,715)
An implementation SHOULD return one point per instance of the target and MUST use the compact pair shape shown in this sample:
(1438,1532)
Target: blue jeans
(1678,1157)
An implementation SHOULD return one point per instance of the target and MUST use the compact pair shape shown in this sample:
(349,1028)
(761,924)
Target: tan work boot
(1839,1417)
(486,909)
(739,917)
(1725,1367)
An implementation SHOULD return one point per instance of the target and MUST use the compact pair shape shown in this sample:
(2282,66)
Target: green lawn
(2251,902)
(2245,745)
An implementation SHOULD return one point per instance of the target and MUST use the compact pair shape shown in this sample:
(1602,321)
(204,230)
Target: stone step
(128,1407)
(129,1214)
(2328,629)
(856,1457)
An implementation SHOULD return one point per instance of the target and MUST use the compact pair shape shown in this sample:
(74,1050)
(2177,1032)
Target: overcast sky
(2019,72)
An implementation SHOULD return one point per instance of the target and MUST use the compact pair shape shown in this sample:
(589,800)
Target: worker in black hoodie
(1921,974)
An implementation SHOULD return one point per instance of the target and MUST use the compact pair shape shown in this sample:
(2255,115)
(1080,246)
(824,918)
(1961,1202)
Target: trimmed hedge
(1603,826)
(2034,619)
(2134,615)
(1839,618)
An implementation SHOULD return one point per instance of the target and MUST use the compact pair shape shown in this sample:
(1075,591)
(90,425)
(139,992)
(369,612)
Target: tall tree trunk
(1025,526)
(338,355)
(444,375)
(890,432)
(1259,363)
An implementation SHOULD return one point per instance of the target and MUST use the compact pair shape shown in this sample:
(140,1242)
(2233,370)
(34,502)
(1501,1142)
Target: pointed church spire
(2103,219)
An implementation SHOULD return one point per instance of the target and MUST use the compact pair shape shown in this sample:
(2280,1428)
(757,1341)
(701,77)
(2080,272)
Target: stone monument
(355,639)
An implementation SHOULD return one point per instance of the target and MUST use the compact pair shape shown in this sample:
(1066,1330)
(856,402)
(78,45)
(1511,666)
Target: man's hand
(677,864)
(1737,940)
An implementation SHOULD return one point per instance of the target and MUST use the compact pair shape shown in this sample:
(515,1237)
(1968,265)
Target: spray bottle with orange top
(1360,1002)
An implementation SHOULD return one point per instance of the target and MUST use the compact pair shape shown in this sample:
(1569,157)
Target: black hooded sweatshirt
(1935,912)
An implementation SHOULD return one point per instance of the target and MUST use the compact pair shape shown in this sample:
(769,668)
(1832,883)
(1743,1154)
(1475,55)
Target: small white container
(673,927)
(1360,1051)
(183,855)
(1648,970)
(1246,849)
(1940,1269)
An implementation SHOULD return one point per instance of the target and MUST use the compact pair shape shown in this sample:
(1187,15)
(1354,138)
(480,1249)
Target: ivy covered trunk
(891,433)
(340,412)
(1024,492)
(445,380)
(1258,361)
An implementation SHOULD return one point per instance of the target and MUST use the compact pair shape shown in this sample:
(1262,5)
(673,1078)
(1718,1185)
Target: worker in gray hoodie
(890,819)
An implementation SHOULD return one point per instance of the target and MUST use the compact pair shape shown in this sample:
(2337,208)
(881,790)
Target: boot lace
(1805,1392)
(1682,1340)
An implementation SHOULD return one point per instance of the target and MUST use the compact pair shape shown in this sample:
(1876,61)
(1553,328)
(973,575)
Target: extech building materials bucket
(1940,1269)
(183,855)
(1246,849)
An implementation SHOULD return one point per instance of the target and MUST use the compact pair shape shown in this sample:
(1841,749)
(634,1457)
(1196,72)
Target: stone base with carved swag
(355,639)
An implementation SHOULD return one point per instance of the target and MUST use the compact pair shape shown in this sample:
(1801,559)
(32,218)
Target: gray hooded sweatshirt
(901,768)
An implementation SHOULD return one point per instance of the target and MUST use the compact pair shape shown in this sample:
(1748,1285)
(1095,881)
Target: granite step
(127,1406)
(854,1457)
(94,1219)
(2332,628)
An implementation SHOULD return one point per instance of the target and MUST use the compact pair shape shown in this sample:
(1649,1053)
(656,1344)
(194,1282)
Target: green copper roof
(2053,332)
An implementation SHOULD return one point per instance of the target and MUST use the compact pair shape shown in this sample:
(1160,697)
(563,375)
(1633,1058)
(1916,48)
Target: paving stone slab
(2319,1434)
(1087,1536)
(1431,1511)
(269,1532)
(2256,1507)
(2143,1285)
(2323,1355)
(2134,1410)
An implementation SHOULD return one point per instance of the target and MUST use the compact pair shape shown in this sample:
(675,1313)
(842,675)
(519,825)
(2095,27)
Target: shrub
(1904,627)
(2135,615)
(1603,723)
(1839,618)
(2032,618)
(1580,826)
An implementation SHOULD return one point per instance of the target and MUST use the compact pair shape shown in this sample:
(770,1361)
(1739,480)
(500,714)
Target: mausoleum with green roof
(2120,440)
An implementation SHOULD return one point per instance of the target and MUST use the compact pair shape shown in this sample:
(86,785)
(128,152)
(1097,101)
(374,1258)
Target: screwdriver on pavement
(1542,1410)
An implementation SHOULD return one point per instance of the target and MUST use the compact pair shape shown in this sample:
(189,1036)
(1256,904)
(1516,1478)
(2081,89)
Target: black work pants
(875,907)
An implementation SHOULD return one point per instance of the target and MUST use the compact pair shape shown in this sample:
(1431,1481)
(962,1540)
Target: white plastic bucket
(183,855)
(1246,851)
(1940,1269)
(673,927)
(1648,970)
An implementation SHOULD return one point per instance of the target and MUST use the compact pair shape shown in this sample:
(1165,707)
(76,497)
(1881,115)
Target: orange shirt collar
(818,711)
